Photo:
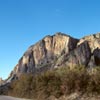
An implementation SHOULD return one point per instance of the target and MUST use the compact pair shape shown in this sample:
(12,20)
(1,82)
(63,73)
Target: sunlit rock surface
(57,51)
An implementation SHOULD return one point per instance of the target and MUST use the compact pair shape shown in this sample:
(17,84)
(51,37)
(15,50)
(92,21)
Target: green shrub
(94,82)
(57,82)
(22,87)
(48,84)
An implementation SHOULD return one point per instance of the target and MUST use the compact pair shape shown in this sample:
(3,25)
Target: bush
(74,80)
(22,87)
(94,82)
(58,82)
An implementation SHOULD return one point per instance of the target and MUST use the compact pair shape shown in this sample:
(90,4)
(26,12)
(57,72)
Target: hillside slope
(58,50)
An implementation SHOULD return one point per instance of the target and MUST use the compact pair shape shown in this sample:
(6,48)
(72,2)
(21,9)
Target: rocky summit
(57,51)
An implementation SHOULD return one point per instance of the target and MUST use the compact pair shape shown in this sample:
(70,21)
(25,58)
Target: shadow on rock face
(96,54)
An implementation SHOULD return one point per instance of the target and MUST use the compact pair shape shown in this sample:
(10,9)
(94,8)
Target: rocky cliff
(59,50)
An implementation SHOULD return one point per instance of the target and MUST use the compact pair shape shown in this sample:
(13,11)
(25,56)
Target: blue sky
(24,22)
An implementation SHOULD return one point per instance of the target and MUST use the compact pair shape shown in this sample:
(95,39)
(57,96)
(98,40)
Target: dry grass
(58,82)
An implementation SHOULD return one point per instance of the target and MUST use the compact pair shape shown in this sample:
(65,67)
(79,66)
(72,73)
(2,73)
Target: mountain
(56,51)
(56,66)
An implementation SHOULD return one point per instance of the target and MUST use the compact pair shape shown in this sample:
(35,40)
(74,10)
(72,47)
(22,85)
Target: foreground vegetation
(58,82)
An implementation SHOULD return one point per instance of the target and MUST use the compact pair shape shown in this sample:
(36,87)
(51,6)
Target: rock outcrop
(93,41)
(79,56)
(56,51)
(44,54)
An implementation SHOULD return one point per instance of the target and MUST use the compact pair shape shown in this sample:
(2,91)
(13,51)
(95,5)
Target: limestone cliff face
(93,41)
(79,56)
(43,54)
(56,51)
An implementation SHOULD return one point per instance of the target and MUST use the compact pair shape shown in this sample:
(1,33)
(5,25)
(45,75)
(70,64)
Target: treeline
(58,82)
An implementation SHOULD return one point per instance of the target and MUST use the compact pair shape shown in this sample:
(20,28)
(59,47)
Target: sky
(24,22)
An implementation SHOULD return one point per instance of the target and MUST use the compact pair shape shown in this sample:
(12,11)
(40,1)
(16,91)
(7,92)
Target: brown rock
(79,56)
(59,50)
(42,55)
(93,40)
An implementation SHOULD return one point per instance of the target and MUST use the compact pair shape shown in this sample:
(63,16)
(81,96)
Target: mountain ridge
(57,50)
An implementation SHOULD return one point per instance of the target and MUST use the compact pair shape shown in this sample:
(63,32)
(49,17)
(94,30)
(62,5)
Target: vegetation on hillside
(57,82)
